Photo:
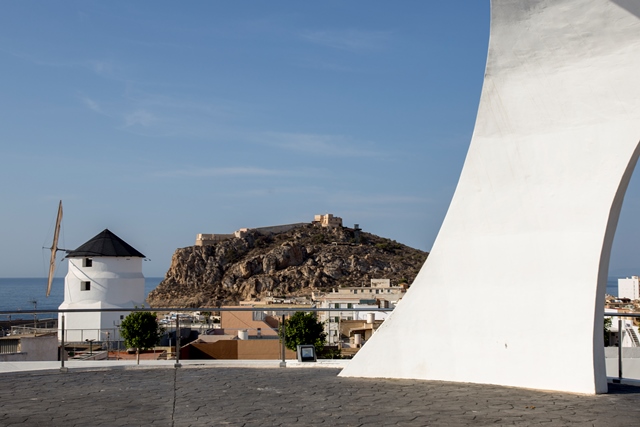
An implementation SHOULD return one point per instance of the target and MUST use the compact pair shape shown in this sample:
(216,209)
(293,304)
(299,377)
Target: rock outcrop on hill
(286,264)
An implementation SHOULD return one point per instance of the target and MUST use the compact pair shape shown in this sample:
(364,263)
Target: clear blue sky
(161,120)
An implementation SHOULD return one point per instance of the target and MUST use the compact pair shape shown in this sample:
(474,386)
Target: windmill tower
(105,272)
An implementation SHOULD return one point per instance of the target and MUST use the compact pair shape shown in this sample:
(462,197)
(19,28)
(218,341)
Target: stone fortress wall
(327,221)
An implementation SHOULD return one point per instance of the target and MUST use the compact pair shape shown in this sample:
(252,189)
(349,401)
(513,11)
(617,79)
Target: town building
(235,349)
(242,335)
(258,324)
(104,273)
(629,287)
(630,332)
(327,221)
(347,302)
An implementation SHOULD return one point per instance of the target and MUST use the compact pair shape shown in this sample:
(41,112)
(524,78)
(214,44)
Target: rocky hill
(293,263)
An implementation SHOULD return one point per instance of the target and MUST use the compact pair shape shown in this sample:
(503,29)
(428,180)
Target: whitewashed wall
(116,282)
(628,288)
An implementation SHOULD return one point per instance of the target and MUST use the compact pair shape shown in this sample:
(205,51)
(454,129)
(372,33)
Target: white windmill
(104,273)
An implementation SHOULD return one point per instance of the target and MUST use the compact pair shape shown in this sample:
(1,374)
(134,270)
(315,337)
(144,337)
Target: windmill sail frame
(54,249)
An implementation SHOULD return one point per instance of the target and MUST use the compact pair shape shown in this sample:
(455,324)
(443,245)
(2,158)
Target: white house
(629,288)
(105,272)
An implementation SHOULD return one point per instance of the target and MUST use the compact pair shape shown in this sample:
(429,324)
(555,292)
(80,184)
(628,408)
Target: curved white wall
(528,235)
(115,282)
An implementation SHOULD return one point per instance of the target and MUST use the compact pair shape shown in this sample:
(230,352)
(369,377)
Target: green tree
(304,329)
(607,329)
(140,330)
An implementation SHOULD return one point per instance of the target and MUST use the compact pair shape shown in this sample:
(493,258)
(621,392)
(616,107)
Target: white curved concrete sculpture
(513,290)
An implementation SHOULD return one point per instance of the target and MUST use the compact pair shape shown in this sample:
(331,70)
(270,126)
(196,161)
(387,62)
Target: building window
(337,319)
(349,318)
(87,262)
(85,286)
(349,305)
(336,305)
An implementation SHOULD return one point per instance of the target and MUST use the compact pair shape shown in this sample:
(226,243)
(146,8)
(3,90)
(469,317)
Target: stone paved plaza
(215,396)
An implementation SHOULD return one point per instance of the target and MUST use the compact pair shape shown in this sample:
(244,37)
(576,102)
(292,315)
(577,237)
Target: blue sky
(160,121)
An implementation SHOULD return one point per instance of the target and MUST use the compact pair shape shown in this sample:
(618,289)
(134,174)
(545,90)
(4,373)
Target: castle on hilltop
(326,221)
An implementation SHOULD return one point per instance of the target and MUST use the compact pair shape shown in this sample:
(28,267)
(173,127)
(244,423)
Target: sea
(25,294)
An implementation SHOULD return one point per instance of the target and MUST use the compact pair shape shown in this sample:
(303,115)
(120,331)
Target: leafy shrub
(304,329)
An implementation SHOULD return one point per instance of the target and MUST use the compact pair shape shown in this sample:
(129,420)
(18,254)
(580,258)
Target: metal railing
(30,330)
(627,358)
(633,366)
(77,337)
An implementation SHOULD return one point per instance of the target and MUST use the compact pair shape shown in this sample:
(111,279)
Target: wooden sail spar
(54,248)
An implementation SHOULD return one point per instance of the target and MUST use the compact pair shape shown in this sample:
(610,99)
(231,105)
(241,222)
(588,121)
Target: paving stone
(214,396)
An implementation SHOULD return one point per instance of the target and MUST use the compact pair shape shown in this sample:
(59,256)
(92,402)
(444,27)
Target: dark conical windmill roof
(105,244)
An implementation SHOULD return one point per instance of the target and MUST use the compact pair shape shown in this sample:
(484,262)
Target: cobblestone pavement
(196,396)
